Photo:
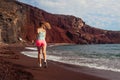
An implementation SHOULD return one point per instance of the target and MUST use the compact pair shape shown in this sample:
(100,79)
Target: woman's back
(41,35)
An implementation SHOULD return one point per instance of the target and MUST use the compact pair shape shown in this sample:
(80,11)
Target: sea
(98,56)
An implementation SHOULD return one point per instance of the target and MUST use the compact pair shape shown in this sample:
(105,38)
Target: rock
(19,20)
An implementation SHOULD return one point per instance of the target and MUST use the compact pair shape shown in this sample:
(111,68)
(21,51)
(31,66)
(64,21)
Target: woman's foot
(45,64)
(40,65)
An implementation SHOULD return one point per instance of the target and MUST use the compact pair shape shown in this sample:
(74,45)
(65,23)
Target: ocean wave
(71,57)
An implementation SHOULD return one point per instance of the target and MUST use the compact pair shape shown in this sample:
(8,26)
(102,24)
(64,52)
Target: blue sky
(103,14)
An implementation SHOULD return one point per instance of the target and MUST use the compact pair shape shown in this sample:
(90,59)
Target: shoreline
(59,44)
(55,70)
(61,59)
(88,70)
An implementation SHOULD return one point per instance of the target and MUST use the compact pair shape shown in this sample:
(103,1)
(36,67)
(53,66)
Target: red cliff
(19,21)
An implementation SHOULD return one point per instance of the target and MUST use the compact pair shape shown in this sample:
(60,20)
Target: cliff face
(18,20)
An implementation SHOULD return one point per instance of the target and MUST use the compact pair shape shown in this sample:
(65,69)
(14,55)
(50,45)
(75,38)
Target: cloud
(51,3)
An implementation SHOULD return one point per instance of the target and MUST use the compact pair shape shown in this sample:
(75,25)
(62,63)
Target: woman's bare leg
(44,56)
(39,57)
(44,53)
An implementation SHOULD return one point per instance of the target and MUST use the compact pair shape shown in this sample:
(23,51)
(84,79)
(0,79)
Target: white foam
(81,61)
(84,62)
(31,48)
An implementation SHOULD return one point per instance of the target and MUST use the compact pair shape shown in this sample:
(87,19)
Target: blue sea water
(100,56)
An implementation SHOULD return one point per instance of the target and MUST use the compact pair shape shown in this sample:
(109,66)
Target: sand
(16,66)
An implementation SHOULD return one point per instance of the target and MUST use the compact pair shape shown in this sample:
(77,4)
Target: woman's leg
(39,57)
(44,56)
(44,52)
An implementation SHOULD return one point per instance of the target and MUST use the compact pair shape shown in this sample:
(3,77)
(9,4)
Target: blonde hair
(45,25)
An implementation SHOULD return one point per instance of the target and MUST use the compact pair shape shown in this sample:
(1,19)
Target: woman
(41,42)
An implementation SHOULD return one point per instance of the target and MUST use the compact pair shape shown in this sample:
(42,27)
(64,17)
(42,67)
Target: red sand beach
(16,66)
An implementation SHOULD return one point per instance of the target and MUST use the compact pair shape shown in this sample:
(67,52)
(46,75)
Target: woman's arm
(36,34)
(37,30)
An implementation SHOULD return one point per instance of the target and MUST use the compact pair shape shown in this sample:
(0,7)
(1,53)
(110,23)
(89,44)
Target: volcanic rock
(18,21)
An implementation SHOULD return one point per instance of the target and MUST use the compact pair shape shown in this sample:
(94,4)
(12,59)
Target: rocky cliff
(19,21)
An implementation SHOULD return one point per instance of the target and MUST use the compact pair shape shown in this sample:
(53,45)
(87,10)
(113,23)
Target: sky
(103,14)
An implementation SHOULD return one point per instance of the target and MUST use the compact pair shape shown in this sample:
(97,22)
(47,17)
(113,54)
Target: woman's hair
(40,24)
(45,25)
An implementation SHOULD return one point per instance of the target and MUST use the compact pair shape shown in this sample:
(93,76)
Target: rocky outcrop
(19,21)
